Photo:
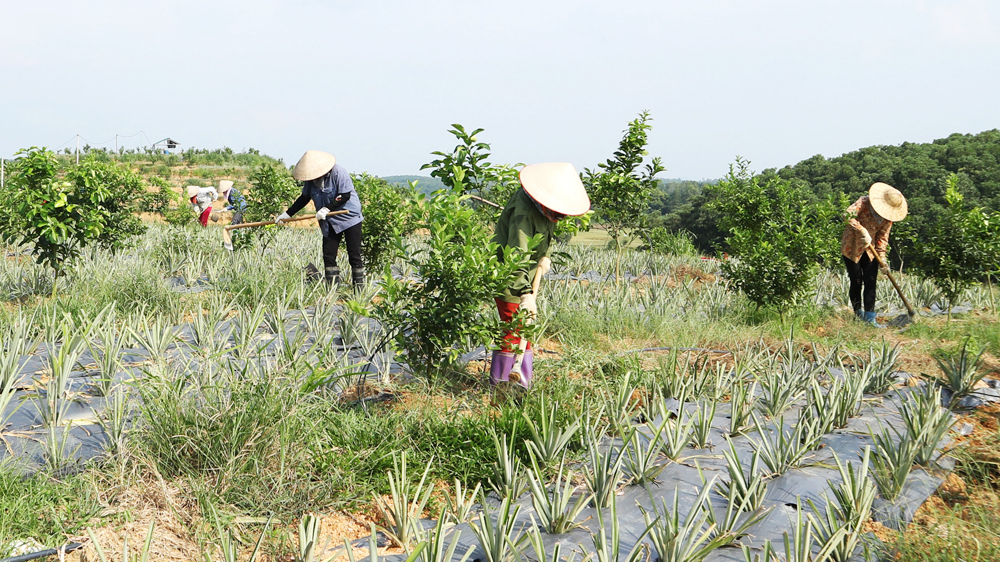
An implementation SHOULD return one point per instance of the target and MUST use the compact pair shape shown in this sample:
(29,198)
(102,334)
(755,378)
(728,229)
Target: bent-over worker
(549,192)
(328,185)
(235,201)
(201,199)
(869,221)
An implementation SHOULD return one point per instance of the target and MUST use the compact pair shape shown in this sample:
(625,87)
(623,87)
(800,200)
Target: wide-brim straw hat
(192,190)
(887,201)
(557,187)
(313,164)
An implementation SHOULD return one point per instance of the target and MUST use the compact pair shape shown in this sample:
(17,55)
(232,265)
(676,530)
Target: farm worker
(549,192)
(328,185)
(201,201)
(235,201)
(869,221)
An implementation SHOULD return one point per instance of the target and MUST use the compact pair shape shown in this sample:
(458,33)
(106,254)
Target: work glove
(281,218)
(866,237)
(528,303)
(322,213)
(544,265)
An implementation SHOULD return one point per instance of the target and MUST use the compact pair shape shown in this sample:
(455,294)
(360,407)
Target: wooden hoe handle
(293,219)
(515,371)
(888,273)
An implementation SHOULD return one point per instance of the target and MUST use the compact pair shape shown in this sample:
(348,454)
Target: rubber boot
(527,369)
(358,277)
(503,363)
(870,318)
(500,366)
(332,276)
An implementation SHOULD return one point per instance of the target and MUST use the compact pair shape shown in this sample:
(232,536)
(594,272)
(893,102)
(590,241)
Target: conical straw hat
(192,190)
(887,201)
(225,186)
(556,186)
(313,164)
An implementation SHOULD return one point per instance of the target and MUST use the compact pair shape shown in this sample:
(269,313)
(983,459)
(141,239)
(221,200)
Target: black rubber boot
(332,276)
(358,277)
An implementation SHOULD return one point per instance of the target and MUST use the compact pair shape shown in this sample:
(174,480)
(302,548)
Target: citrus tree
(621,187)
(120,195)
(777,243)
(59,216)
(466,171)
(958,248)
(272,190)
(390,212)
(446,304)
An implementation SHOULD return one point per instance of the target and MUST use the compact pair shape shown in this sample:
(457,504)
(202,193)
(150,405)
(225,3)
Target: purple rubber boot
(503,362)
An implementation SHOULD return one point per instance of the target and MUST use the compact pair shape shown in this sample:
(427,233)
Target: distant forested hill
(918,170)
(425,184)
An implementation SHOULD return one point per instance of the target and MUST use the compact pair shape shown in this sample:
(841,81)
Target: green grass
(44,508)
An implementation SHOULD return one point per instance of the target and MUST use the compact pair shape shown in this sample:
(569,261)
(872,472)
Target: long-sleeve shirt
(203,200)
(519,222)
(861,215)
(322,191)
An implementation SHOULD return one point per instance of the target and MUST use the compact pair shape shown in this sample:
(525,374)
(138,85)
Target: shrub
(620,193)
(389,213)
(180,215)
(466,171)
(272,190)
(118,206)
(958,248)
(458,273)
(778,243)
(158,199)
(59,218)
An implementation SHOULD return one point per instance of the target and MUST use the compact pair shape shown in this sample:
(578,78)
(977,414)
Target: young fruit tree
(776,235)
(958,248)
(620,191)
(448,302)
(466,171)
(123,190)
(389,214)
(59,216)
(272,190)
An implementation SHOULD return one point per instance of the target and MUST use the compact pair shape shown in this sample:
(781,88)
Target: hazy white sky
(378,83)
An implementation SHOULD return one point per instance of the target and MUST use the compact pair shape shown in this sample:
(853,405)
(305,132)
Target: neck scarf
(548,213)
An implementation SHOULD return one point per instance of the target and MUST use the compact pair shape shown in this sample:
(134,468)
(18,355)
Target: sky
(378,84)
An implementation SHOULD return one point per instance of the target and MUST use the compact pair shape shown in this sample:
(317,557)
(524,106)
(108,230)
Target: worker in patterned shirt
(868,224)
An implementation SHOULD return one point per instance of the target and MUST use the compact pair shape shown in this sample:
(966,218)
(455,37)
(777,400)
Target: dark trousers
(331,245)
(865,273)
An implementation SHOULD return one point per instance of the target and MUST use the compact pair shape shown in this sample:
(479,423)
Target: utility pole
(78,149)
(1,174)
(116,143)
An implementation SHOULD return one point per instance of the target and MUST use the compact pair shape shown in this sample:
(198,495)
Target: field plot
(209,399)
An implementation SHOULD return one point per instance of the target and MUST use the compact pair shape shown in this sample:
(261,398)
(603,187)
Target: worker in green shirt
(549,192)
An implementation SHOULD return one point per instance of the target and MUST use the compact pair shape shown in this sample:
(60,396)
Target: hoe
(902,319)
(227,240)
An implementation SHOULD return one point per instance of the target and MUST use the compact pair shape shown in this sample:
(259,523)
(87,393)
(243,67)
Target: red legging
(203,219)
(507,310)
